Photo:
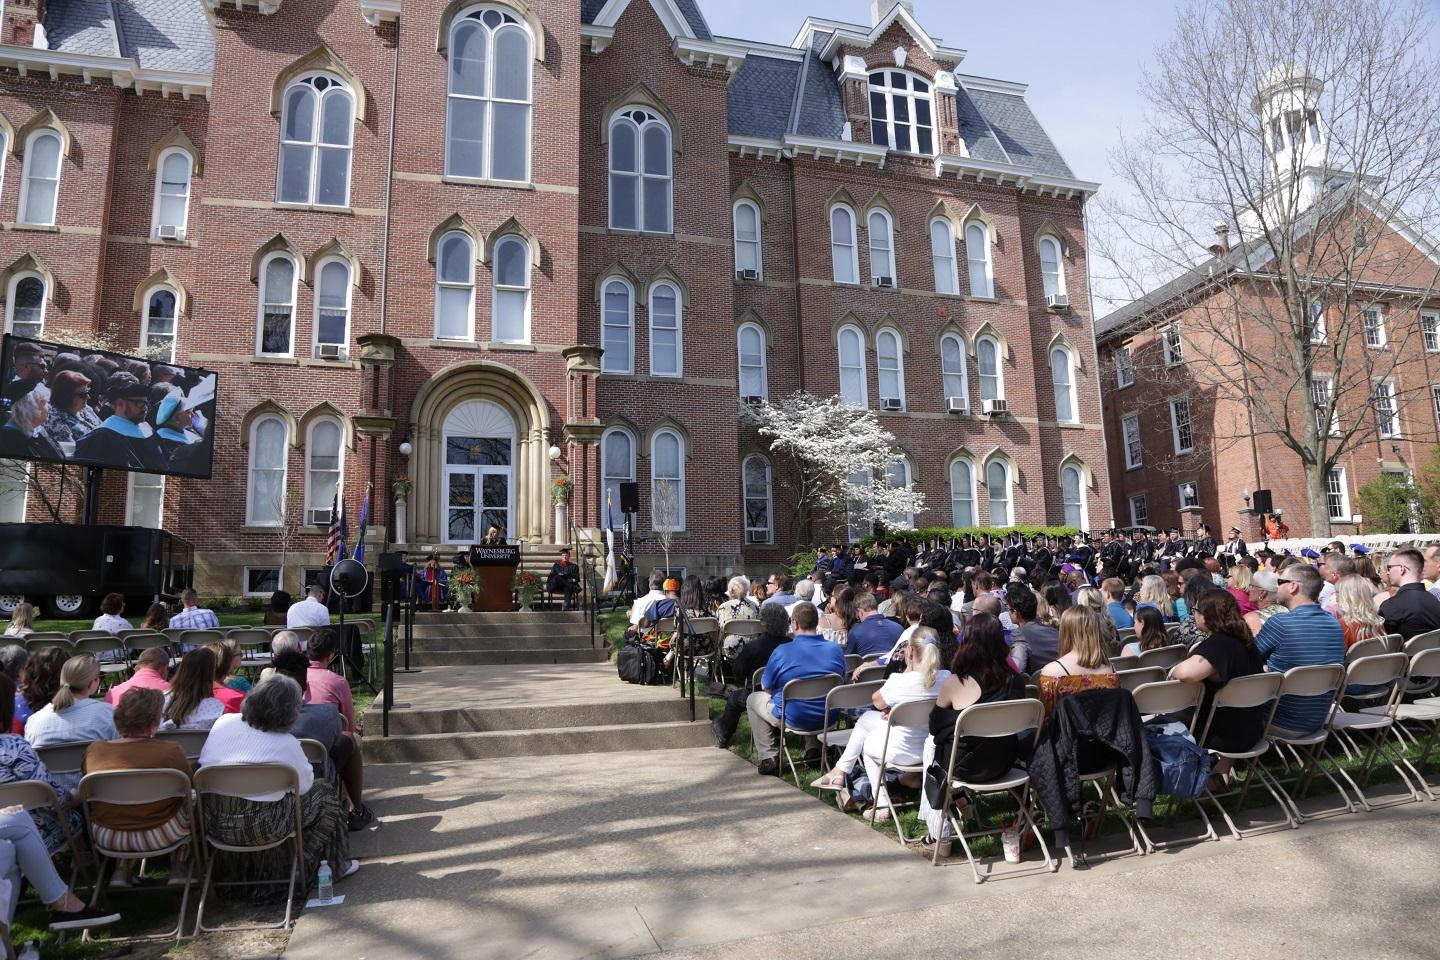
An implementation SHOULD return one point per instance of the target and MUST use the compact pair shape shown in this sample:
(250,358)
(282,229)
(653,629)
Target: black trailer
(66,568)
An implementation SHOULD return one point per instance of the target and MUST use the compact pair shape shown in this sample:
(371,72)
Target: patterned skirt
(172,831)
(242,822)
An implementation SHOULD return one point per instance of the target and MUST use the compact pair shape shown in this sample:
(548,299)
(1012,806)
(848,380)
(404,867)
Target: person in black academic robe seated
(564,578)
(124,439)
(23,437)
(180,445)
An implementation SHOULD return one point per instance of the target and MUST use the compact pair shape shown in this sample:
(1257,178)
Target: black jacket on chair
(1108,718)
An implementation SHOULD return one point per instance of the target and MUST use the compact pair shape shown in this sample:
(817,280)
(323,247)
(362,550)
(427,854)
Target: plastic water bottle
(324,881)
(31,951)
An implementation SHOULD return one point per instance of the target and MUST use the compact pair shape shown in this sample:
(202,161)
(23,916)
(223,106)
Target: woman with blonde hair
(1238,583)
(1154,593)
(1355,597)
(22,621)
(1094,600)
(72,716)
(1082,664)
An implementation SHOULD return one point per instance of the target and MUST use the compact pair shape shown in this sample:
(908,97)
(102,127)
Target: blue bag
(1182,767)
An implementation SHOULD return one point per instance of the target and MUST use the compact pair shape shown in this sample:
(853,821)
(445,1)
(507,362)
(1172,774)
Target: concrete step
(429,631)
(552,717)
(512,617)
(558,642)
(481,658)
(610,738)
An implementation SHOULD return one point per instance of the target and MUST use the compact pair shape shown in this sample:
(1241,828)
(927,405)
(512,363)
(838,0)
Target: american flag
(335,540)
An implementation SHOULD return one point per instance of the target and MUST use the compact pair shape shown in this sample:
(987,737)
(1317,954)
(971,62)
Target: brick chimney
(22,18)
(880,9)
(1221,246)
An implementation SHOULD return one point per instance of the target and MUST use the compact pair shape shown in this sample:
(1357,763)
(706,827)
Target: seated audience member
(1264,585)
(72,716)
(13,659)
(23,857)
(754,655)
(777,589)
(192,616)
(1033,643)
(1114,590)
(260,733)
(564,579)
(111,620)
(1175,589)
(1195,587)
(275,613)
(872,633)
(322,722)
(282,641)
(326,686)
(1154,593)
(38,683)
(1237,581)
(310,612)
(1149,631)
(19,762)
(1302,636)
(807,655)
(667,606)
(157,618)
(1412,610)
(152,672)
(228,657)
(22,621)
(1082,664)
(804,593)
(191,703)
(839,615)
(143,825)
(737,606)
(1094,599)
(1226,651)
(1355,607)
(643,602)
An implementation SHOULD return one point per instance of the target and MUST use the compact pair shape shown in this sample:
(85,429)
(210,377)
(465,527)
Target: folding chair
(1009,718)
(852,661)
(34,645)
(189,639)
(134,632)
(1135,677)
(136,645)
(848,696)
(63,758)
(1173,628)
(914,715)
(1129,662)
(1385,672)
(1159,699)
(39,795)
(45,635)
(1240,693)
(191,741)
(254,648)
(318,756)
(867,672)
(1125,635)
(239,780)
(804,688)
(130,787)
(1423,713)
(1421,683)
(1396,643)
(1370,647)
(110,653)
(702,642)
(77,635)
(1307,748)
(1164,657)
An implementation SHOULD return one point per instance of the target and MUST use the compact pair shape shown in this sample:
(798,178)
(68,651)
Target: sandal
(834,780)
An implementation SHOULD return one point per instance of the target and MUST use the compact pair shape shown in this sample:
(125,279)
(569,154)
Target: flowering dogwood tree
(818,445)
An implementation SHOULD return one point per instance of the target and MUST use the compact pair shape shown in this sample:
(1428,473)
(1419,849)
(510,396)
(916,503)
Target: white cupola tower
(1288,104)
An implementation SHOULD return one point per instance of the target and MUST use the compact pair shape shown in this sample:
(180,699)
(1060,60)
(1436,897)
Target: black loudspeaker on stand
(629,498)
(1263,502)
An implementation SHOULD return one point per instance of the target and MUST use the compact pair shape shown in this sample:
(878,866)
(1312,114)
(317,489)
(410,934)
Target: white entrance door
(479,474)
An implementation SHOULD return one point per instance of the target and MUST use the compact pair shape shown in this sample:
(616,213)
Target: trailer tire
(9,601)
(69,606)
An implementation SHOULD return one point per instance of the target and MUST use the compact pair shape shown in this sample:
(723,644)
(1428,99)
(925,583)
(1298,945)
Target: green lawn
(228,618)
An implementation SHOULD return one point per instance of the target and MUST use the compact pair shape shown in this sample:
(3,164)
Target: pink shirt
(229,697)
(144,678)
(326,686)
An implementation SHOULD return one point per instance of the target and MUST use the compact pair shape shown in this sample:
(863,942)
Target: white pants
(869,722)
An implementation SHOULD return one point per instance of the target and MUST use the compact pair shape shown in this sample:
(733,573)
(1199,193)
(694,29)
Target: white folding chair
(914,715)
(1242,693)
(191,741)
(1166,697)
(804,688)
(239,780)
(867,672)
(848,696)
(1421,683)
(1424,714)
(1163,657)
(1126,662)
(1385,672)
(1137,677)
(35,795)
(1306,748)
(62,759)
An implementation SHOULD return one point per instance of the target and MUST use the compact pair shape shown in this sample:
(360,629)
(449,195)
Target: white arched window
(25,305)
(617,466)
(510,310)
(755,475)
(844,258)
(157,334)
(899,476)
(748,258)
(666,359)
(617,321)
(487,122)
(850,344)
(641,181)
(890,368)
(317,128)
(900,112)
(882,248)
(952,370)
(942,256)
(40,178)
(455,287)
(977,260)
(275,334)
(1062,374)
(667,481)
(997,490)
(265,493)
(172,194)
(1050,272)
(962,493)
(1072,484)
(332,305)
(987,357)
(750,342)
(322,469)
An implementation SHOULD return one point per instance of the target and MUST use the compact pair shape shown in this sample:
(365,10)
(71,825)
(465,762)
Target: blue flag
(364,518)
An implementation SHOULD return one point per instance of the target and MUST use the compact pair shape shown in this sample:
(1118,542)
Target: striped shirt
(195,618)
(1302,637)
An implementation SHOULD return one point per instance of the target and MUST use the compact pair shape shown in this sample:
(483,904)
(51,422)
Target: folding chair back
(1173,628)
(35,644)
(1164,657)
(915,714)
(1376,670)
(808,688)
(100,646)
(1394,642)
(1129,662)
(871,657)
(45,635)
(198,638)
(1125,634)
(173,634)
(1241,693)
(867,672)
(665,625)
(244,635)
(147,641)
(1421,641)
(1167,696)
(77,635)
(30,794)
(1138,676)
(742,628)
(316,753)
(135,632)
(851,696)
(1369,647)
(852,661)
(1425,663)
(63,757)
(1007,718)
(191,741)
(704,626)
(131,787)
(1312,681)
(755,680)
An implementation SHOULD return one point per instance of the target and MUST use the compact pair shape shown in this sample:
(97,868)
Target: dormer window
(900,112)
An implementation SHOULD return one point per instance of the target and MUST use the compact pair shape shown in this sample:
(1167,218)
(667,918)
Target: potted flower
(560,489)
(464,588)
(527,584)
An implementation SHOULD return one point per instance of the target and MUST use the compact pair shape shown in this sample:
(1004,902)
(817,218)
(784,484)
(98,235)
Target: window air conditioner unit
(958,405)
(752,400)
(747,274)
(993,408)
(332,351)
(891,403)
(887,282)
(318,518)
(756,536)
(169,231)
(1058,301)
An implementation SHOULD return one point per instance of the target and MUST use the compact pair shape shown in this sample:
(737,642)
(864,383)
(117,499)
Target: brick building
(487,244)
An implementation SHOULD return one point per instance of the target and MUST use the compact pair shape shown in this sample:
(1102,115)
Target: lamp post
(561,532)
(401,499)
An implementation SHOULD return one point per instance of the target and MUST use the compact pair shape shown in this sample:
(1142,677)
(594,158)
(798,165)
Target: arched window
(40,178)
(510,311)
(962,493)
(1072,482)
(997,490)
(316,134)
(882,248)
(332,305)
(617,466)
(952,370)
(666,359)
(977,259)
(276,334)
(25,305)
(172,194)
(1050,272)
(858,501)
(900,112)
(1062,374)
(617,321)
(750,341)
(755,474)
(899,476)
(487,122)
(667,481)
(747,240)
(942,256)
(322,468)
(987,355)
(145,500)
(890,368)
(4,146)
(843,256)
(265,494)
(455,287)
(851,346)
(158,324)
(640,172)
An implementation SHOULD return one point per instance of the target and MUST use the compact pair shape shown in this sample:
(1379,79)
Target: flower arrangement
(560,489)
(527,583)
(463,588)
(400,486)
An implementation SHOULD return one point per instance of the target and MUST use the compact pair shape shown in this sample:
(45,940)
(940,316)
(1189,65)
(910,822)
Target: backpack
(1181,765)
(638,662)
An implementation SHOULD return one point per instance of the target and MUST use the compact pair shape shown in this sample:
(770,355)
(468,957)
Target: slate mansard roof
(689,9)
(156,34)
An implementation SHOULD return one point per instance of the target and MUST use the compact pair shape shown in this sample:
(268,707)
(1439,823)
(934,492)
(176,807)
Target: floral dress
(1054,689)
(19,762)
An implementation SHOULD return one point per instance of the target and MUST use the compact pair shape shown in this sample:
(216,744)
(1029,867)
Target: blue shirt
(874,634)
(1302,637)
(1120,615)
(782,598)
(808,655)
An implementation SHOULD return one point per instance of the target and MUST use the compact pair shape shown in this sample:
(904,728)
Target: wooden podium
(494,577)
